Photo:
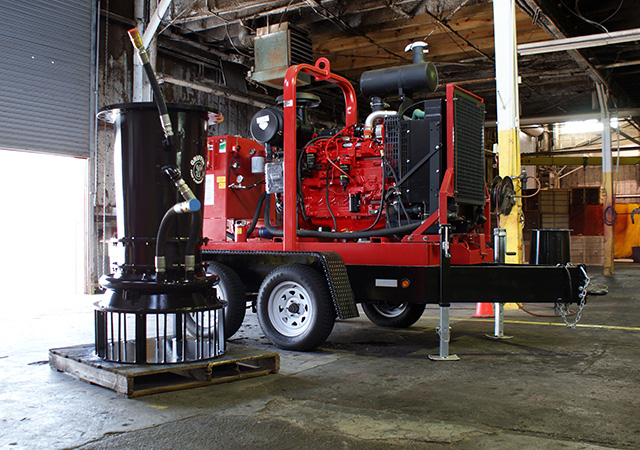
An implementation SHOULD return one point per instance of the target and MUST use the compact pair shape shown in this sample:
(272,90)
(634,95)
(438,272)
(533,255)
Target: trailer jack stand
(499,323)
(444,331)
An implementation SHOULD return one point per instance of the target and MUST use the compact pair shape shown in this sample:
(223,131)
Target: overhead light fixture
(574,43)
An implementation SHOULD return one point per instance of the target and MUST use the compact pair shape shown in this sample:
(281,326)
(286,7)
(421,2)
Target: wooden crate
(587,250)
(559,221)
(133,380)
(586,196)
(554,201)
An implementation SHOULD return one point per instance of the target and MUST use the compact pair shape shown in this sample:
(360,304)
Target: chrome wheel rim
(290,309)
(390,310)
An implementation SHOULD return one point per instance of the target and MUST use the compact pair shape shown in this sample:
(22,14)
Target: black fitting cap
(172,172)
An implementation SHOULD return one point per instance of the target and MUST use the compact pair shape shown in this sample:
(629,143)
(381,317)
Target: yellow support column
(509,166)
(508,114)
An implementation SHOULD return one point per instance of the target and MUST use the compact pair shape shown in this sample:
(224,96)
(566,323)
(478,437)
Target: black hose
(383,200)
(395,178)
(155,88)
(256,214)
(163,234)
(194,234)
(326,199)
(299,179)
(336,235)
(165,120)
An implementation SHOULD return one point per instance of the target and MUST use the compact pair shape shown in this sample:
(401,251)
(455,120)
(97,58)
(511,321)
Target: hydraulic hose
(196,218)
(191,205)
(334,234)
(161,242)
(192,243)
(165,120)
(256,214)
(186,207)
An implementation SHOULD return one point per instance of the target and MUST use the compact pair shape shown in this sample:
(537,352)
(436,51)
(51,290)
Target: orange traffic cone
(483,310)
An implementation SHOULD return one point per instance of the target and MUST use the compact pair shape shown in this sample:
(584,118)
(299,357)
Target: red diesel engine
(372,179)
(342,181)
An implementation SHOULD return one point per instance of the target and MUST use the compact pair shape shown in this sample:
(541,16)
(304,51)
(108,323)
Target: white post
(607,179)
(141,86)
(138,71)
(504,26)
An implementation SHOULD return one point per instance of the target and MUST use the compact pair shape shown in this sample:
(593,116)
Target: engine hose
(165,120)
(256,214)
(299,177)
(326,196)
(334,234)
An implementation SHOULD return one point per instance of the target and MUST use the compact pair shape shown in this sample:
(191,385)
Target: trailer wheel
(231,289)
(393,315)
(295,309)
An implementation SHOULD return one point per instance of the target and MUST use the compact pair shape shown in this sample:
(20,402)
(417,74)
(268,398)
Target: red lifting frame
(322,72)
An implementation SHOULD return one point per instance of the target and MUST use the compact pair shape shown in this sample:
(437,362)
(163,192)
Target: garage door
(46,75)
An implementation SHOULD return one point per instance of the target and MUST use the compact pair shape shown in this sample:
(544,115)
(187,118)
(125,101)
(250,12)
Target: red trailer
(393,213)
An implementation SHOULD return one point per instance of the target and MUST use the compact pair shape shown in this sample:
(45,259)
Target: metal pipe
(607,177)
(620,64)
(138,71)
(629,112)
(154,22)
(574,43)
(569,173)
(162,78)
(371,118)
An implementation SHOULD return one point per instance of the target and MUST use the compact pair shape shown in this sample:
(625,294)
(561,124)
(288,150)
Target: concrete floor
(368,388)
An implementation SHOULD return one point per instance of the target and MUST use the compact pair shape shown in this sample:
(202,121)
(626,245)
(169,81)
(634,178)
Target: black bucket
(143,192)
(550,246)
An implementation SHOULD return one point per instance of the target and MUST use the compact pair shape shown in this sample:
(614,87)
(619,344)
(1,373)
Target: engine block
(343,182)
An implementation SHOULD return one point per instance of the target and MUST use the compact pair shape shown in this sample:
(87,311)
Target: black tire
(295,310)
(231,289)
(394,315)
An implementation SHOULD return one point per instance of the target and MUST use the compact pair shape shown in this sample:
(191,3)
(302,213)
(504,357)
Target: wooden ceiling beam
(441,49)
(414,33)
(420,25)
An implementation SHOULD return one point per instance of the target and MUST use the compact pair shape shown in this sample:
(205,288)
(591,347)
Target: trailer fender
(253,267)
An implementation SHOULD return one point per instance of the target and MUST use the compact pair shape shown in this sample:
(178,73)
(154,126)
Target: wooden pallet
(587,250)
(133,380)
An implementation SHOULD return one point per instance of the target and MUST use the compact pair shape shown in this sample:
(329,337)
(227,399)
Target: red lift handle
(322,72)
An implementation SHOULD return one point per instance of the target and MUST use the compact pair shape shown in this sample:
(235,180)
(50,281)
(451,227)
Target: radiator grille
(469,150)
(396,145)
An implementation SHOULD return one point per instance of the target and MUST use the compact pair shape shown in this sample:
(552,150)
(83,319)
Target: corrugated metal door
(46,73)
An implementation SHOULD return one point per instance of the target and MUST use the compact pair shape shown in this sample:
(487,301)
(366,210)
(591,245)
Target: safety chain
(564,307)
